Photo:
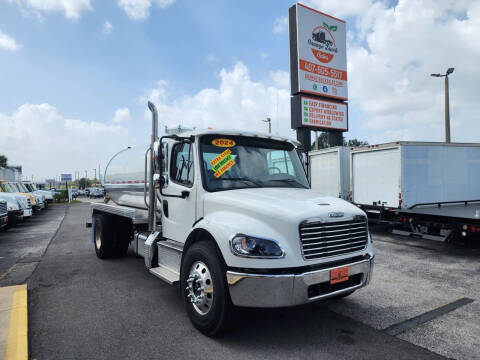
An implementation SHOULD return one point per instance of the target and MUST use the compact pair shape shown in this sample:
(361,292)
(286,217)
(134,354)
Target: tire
(123,235)
(103,240)
(217,306)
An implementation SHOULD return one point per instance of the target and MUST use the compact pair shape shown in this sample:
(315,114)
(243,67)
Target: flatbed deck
(454,212)
(138,216)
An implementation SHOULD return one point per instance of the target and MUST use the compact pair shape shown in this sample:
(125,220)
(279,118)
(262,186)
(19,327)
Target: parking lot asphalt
(84,307)
(22,246)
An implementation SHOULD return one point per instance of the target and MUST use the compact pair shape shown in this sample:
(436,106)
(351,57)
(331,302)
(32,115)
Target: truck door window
(279,162)
(181,169)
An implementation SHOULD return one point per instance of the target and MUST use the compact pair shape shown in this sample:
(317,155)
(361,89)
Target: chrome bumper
(270,290)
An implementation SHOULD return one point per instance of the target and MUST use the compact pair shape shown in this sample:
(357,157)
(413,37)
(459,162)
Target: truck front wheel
(204,288)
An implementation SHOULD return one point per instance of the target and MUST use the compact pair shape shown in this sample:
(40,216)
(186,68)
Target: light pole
(269,121)
(113,157)
(447,103)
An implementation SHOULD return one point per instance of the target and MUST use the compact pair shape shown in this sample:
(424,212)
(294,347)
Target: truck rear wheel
(123,235)
(204,288)
(103,236)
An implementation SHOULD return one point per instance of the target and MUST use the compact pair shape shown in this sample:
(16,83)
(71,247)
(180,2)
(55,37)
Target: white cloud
(107,28)
(122,115)
(57,144)
(211,58)
(72,9)
(341,8)
(139,9)
(238,102)
(390,60)
(280,25)
(7,42)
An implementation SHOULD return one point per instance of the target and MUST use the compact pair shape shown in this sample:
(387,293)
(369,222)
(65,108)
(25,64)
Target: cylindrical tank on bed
(125,178)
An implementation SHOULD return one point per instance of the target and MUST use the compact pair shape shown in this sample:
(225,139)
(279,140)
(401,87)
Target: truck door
(178,214)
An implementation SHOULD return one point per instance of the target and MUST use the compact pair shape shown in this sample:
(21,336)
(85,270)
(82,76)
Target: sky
(75,75)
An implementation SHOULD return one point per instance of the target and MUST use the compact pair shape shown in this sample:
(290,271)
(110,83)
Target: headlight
(10,208)
(249,246)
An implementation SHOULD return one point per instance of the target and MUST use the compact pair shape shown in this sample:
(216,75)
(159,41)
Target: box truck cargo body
(430,190)
(329,171)
(406,174)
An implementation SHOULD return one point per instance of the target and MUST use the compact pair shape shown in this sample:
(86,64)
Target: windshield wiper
(244,179)
(291,181)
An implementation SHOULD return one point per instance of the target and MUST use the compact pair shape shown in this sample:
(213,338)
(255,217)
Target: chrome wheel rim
(199,288)
(98,239)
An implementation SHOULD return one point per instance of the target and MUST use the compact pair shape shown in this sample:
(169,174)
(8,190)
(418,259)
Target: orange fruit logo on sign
(223,142)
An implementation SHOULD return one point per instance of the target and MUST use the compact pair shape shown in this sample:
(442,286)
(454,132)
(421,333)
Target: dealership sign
(66,177)
(319,114)
(318,53)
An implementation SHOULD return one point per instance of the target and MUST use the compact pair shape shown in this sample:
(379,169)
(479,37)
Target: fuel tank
(125,178)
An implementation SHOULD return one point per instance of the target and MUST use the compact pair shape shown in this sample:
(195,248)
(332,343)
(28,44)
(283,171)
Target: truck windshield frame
(230,162)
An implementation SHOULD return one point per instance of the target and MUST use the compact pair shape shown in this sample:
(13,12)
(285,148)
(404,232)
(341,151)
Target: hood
(45,193)
(12,201)
(284,204)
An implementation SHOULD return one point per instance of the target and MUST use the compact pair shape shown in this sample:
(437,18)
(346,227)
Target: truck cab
(16,204)
(45,194)
(39,199)
(25,200)
(235,223)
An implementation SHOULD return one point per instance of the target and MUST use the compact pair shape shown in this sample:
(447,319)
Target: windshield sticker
(222,163)
(223,142)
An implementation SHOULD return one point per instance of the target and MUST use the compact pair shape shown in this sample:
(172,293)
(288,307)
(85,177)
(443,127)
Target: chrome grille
(324,239)
(29,203)
(3,207)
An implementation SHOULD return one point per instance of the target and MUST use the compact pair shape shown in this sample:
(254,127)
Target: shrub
(60,197)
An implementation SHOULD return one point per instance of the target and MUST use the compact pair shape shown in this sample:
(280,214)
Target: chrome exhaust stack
(152,221)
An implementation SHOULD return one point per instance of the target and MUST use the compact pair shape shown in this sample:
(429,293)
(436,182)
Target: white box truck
(433,189)
(230,216)
(329,171)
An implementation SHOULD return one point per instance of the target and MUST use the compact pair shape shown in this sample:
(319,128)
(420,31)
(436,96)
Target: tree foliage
(83,183)
(323,141)
(3,161)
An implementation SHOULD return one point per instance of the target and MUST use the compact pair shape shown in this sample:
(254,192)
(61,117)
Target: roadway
(423,303)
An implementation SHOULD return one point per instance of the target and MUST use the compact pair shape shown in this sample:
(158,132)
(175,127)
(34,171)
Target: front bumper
(270,290)
(3,220)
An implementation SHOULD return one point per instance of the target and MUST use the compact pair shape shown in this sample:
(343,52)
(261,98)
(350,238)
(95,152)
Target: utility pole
(447,111)
(447,103)
(269,121)
(86,176)
(95,174)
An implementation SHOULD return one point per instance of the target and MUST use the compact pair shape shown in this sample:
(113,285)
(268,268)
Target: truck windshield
(15,187)
(237,162)
(7,188)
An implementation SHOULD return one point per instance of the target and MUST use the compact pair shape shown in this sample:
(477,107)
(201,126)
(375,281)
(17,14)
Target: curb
(17,336)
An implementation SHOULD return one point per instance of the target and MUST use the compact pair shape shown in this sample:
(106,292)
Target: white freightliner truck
(232,218)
